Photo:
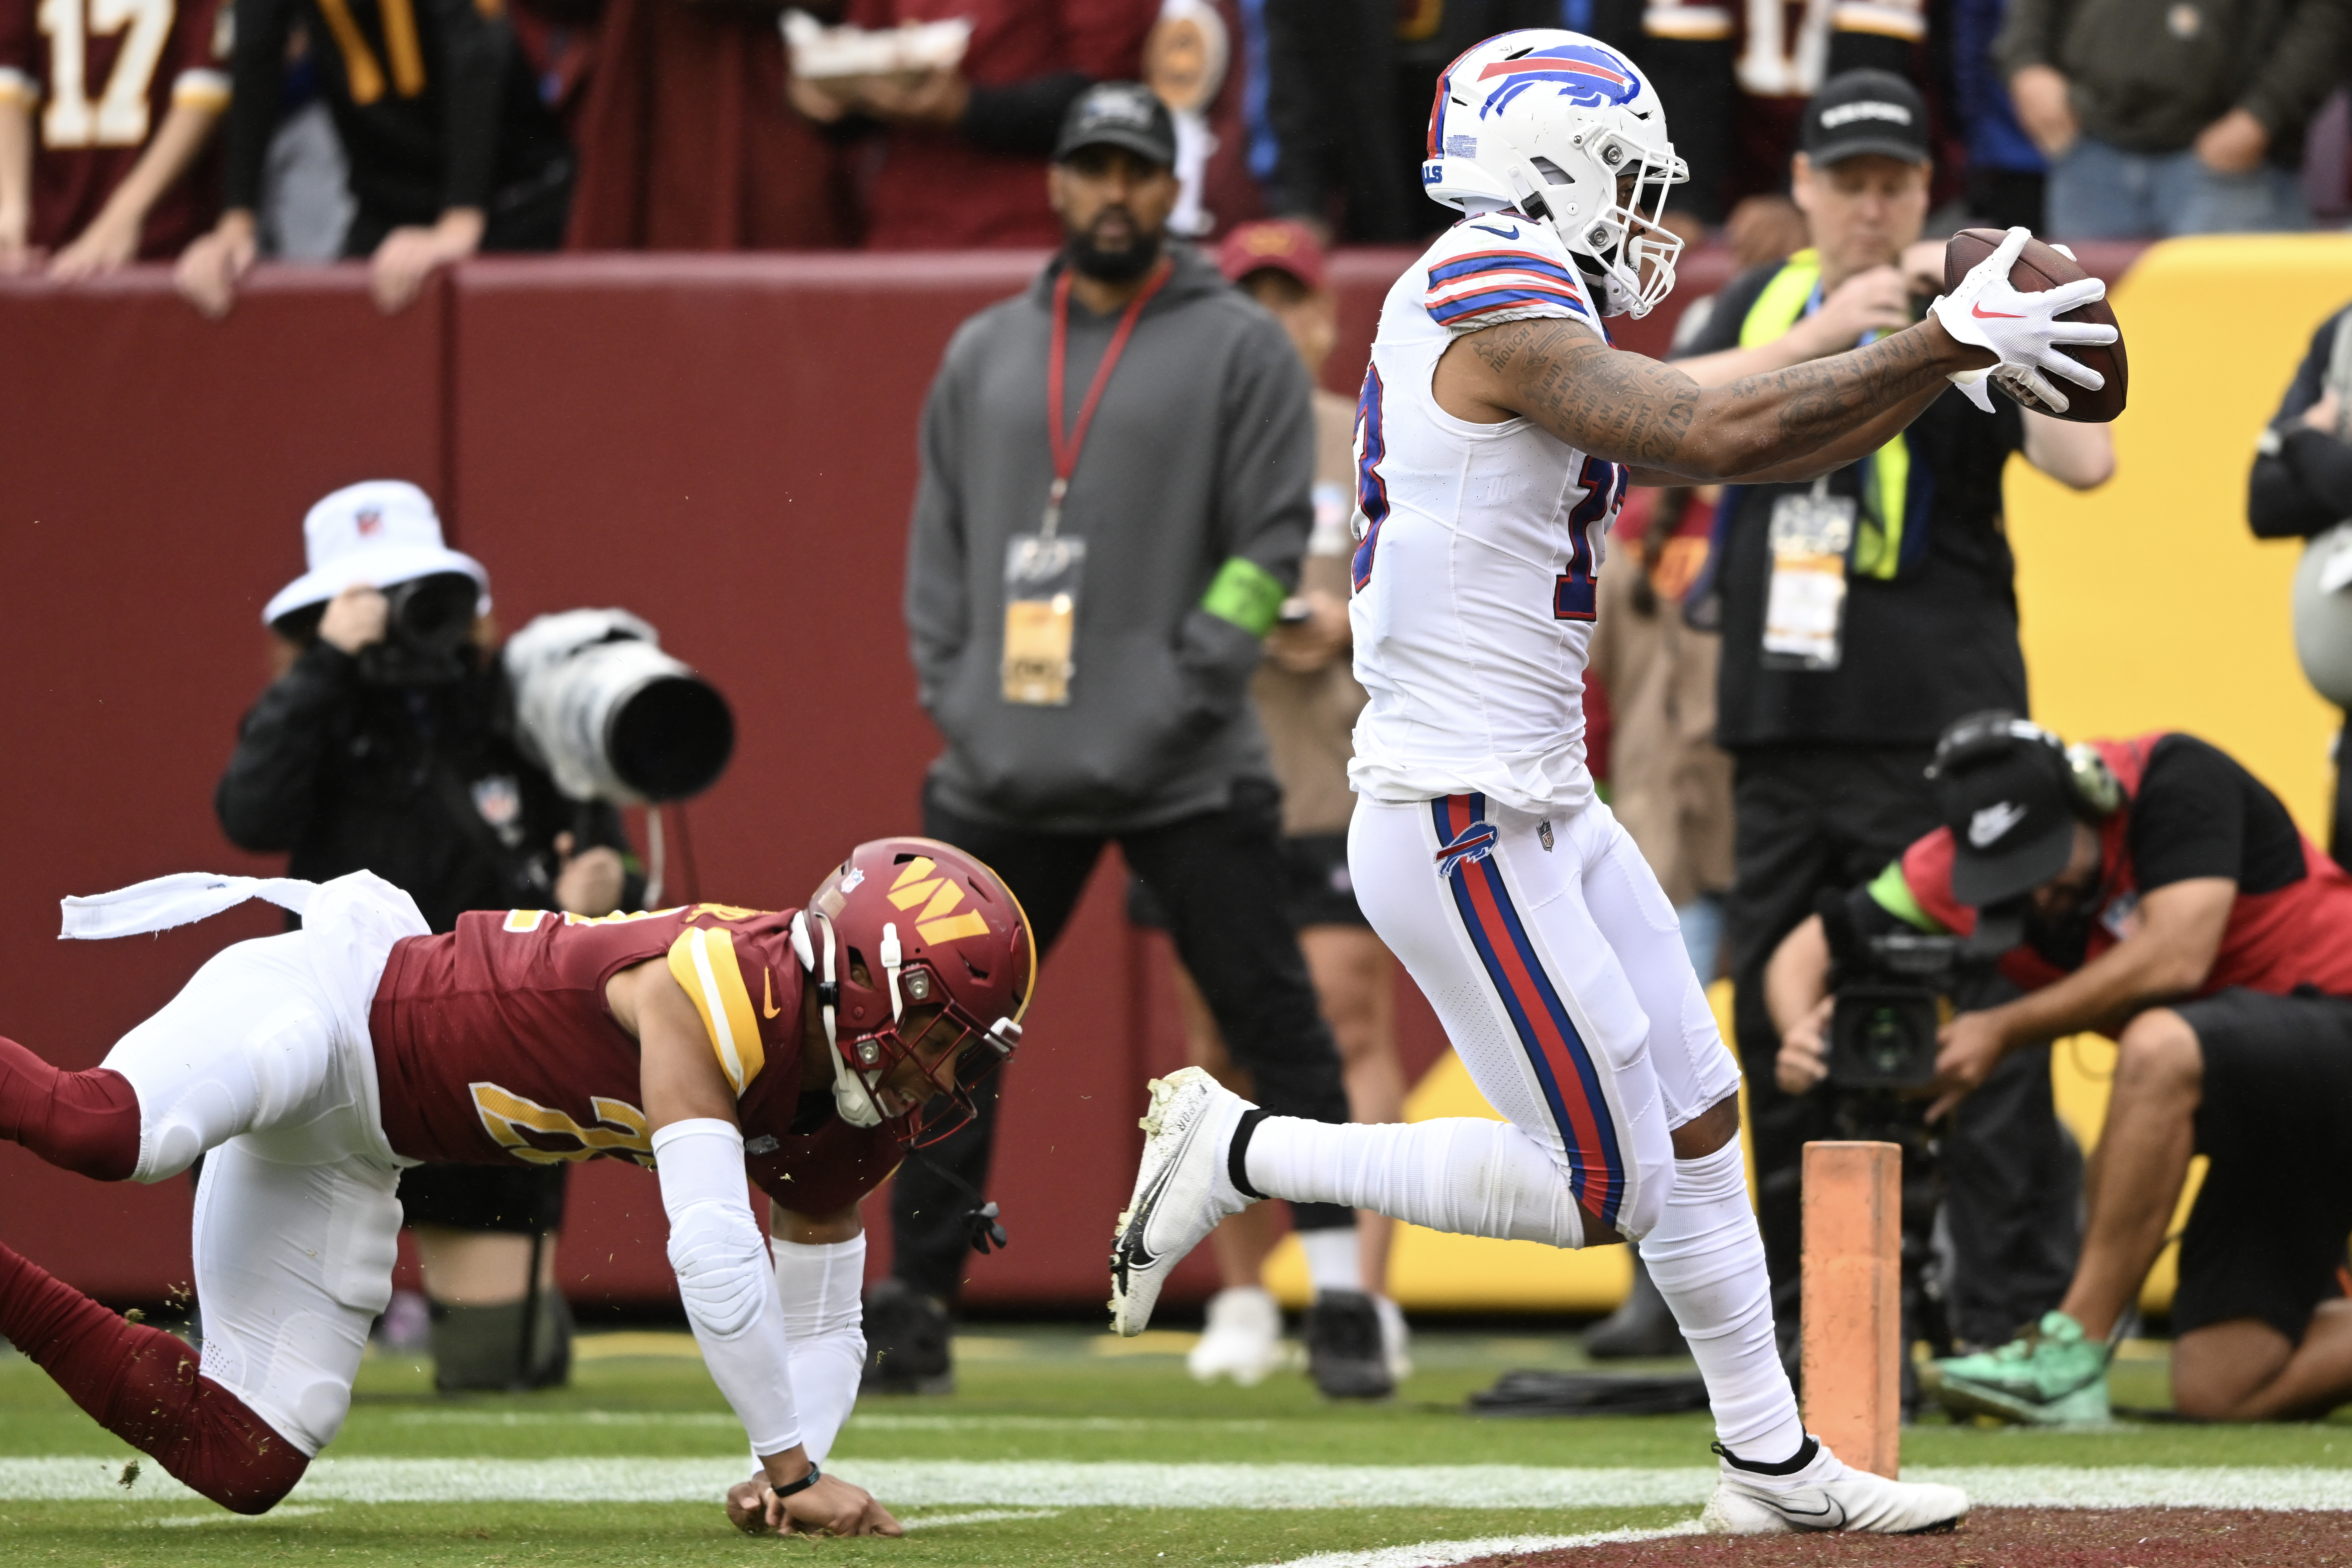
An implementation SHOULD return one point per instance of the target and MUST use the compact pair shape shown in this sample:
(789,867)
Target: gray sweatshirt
(1201,451)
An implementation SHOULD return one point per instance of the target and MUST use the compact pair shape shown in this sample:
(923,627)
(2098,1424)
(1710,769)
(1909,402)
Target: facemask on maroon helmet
(920,954)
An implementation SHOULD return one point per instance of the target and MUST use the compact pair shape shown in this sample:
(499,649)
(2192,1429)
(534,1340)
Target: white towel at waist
(181,899)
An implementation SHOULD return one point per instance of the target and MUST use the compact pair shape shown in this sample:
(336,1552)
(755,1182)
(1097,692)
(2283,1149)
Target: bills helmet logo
(370,522)
(1585,74)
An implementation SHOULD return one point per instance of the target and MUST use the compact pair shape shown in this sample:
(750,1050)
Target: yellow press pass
(1042,576)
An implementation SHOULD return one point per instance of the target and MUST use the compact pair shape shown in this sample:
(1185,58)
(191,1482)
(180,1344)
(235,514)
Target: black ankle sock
(1237,1152)
(1790,1467)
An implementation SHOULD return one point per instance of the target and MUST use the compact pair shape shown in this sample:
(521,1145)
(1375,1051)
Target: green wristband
(1247,595)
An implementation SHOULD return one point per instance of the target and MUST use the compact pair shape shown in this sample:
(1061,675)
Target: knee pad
(722,1269)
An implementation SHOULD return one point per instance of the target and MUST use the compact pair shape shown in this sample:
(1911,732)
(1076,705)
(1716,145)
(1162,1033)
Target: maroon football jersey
(493,1043)
(99,77)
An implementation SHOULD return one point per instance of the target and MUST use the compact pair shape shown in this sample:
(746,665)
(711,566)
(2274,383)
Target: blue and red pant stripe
(1563,1065)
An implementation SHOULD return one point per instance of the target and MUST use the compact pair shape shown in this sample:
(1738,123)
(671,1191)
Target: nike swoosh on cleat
(1134,1254)
(1815,1518)
(2029,1396)
(1981,314)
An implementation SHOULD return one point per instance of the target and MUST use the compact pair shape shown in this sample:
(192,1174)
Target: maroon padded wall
(725,444)
(154,473)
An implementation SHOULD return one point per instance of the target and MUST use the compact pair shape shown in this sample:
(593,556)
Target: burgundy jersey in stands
(98,78)
(493,1043)
(936,190)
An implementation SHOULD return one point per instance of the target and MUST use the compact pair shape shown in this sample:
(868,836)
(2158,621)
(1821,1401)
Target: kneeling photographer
(395,740)
(2154,891)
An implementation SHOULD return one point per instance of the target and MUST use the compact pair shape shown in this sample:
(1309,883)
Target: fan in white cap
(377,532)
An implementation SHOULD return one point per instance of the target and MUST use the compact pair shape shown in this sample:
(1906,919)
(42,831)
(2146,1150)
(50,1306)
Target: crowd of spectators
(413,135)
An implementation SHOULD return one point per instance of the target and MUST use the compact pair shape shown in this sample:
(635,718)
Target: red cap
(1279,243)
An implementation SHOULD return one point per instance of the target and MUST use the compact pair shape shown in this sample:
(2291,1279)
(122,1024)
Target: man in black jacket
(385,746)
(2302,488)
(1861,616)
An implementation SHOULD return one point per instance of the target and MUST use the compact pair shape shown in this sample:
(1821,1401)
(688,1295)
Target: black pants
(1221,878)
(513,1200)
(1811,819)
(528,216)
(2339,825)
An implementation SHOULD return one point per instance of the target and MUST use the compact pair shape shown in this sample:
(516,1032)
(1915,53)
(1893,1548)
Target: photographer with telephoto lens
(387,744)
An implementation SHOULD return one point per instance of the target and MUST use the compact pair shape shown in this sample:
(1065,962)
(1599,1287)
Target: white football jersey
(1477,544)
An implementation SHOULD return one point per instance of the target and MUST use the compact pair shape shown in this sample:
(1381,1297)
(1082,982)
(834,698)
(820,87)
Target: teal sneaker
(2050,1376)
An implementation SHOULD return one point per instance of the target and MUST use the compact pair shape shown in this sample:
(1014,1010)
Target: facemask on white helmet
(1567,130)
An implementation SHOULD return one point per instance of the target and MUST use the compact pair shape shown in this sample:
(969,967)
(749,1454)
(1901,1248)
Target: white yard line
(1443,1553)
(1048,1483)
(980,1515)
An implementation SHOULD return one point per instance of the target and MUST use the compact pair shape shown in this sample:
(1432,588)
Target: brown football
(2038,268)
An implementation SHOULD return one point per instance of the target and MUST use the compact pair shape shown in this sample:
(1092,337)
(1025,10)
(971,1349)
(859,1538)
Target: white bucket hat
(379,532)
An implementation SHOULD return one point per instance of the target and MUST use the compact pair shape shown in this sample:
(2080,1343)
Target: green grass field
(1050,1401)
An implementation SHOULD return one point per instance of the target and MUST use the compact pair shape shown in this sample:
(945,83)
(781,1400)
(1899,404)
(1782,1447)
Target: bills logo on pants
(1557,1053)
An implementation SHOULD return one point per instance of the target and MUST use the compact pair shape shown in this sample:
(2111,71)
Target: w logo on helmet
(917,884)
(1585,74)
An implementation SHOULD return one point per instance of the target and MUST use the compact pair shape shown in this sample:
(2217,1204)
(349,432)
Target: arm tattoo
(1635,410)
(1825,399)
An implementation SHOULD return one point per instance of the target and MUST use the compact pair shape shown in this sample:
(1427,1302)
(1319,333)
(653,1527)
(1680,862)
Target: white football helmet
(1549,122)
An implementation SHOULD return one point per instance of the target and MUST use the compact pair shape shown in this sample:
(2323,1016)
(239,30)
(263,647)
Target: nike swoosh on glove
(2023,329)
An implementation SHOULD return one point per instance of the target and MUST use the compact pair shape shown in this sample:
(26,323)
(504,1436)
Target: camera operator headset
(1867,992)
(387,743)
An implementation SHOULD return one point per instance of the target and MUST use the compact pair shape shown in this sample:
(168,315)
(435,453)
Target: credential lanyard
(1067,447)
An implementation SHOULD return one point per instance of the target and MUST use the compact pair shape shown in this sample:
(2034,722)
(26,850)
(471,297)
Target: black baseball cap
(2010,810)
(1119,114)
(1864,111)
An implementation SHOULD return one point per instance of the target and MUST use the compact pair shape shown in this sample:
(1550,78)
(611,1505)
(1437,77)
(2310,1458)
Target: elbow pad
(714,1242)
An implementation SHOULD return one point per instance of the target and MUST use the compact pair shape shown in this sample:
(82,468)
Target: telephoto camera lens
(610,715)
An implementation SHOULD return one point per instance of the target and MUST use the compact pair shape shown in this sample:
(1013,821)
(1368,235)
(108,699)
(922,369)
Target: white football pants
(263,1065)
(1556,964)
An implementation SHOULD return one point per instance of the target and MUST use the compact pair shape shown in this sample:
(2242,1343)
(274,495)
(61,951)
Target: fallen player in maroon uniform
(311,1067)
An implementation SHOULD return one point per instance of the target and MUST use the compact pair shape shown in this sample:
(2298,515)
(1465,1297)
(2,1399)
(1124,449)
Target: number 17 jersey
(1477,544)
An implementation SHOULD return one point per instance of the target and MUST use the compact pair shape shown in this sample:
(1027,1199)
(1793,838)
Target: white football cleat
(1243,1339)
(1826,1494)
(1181,1190)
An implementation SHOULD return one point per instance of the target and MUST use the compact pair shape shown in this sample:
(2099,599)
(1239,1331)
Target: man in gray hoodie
(1116,494)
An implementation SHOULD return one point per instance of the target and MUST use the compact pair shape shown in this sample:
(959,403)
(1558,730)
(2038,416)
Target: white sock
(1464,1175)
(1334,1260)
(819,1287)
(1706,1258)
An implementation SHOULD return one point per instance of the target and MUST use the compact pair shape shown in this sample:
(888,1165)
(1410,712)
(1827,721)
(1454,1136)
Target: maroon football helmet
(912,926)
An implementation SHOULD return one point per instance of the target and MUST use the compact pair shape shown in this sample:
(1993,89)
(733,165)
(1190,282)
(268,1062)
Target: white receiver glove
(2026,387)
(2023,329)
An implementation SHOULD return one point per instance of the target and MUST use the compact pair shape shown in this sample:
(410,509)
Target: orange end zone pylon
(1853,1301)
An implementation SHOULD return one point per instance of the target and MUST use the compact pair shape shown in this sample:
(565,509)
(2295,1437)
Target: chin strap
(852,1097)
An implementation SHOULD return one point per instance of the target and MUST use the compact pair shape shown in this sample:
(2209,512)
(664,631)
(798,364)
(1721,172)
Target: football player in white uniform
(1497,434)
